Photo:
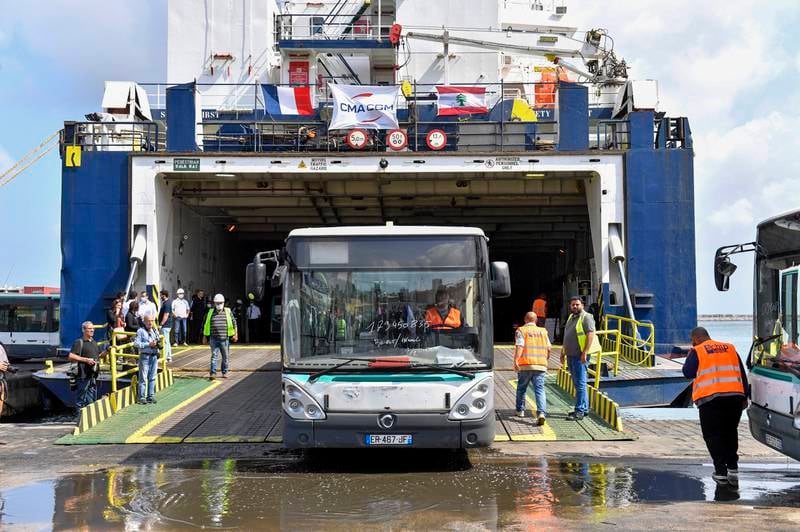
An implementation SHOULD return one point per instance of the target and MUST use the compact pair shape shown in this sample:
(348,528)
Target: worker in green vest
(341,325)
(218,330)
(580,342)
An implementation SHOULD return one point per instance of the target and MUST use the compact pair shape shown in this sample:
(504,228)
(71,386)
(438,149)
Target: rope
(6,180)
(29,154)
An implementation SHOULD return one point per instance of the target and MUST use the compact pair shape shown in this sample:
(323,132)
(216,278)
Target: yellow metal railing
(120,355)
(611,348)
(633,340)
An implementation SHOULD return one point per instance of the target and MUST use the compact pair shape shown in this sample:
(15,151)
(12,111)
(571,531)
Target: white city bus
(362,364)
(29,325)
(774,359)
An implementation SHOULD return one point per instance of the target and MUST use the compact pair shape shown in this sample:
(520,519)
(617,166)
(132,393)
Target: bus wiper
(314,376)
(446,369)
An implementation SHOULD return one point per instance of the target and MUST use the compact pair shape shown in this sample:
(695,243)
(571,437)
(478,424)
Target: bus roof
(17,295)
(794,214)
(388,230)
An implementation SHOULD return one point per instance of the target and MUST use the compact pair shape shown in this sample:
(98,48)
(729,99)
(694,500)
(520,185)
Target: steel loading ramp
(245,408)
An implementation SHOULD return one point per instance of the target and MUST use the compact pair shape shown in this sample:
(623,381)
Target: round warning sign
(436,139)
(397,139)
(356,139)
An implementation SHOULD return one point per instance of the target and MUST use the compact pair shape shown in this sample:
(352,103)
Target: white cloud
(732,67)
(5,160)
(738,213)
(93,40)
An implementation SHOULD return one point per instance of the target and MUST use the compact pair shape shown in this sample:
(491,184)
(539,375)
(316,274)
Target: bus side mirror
(723,269)
(278,276)
(501,280)
(255,277)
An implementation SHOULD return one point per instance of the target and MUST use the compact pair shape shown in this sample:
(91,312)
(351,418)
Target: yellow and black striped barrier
(600,403)
(93,414)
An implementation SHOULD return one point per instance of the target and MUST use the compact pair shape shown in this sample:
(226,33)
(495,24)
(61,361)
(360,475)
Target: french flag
(288,100)
(461,100)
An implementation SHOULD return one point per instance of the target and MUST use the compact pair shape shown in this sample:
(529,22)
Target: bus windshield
(776,294)
(430,315)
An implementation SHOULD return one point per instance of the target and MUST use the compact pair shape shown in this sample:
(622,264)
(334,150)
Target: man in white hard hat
(180,311)
(219,328)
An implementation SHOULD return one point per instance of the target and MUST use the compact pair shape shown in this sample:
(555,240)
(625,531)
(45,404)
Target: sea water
(739,333)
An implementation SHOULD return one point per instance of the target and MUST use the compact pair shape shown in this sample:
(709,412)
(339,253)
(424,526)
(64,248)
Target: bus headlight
(474,404)
(298,404)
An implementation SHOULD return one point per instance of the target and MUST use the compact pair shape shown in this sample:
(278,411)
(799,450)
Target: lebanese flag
(288,100)
(461,100)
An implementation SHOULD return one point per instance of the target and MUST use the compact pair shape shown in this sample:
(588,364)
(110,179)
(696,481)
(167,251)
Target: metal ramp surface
(245,408)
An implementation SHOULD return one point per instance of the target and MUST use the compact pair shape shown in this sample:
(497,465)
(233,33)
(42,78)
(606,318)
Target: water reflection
(344,491)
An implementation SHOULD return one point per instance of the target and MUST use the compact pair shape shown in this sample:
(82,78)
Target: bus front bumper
(427,431)
(774,430)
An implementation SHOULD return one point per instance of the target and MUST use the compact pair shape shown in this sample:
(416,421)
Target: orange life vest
(717,370)
(536,348)
(451,321)
(545,90)
(540,308)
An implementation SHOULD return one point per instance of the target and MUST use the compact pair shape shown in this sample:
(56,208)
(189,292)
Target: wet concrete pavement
(402,490)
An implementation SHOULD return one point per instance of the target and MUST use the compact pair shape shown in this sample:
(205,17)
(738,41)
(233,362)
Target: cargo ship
(282,115)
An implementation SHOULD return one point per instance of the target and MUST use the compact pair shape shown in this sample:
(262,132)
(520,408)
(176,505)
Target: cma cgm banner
(364,106)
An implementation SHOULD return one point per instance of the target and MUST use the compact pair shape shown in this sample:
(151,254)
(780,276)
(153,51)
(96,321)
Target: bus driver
(442,315)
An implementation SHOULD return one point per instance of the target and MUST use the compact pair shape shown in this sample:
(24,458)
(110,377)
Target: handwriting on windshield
(398,325)
(394,342)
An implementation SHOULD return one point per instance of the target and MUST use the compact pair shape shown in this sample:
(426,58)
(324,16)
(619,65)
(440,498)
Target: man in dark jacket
(86,353)
(720,391)
(197,315)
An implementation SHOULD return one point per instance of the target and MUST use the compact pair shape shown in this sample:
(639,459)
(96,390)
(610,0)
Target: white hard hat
(219,298)
(180,290)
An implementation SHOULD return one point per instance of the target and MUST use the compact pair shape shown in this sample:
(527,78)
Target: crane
(599,65)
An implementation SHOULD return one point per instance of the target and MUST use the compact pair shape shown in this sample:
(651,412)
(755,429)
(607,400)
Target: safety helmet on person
(180,292)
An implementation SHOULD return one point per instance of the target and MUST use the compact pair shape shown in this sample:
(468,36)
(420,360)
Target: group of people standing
(719,389)
(532,350)
(173,316)
(135,318)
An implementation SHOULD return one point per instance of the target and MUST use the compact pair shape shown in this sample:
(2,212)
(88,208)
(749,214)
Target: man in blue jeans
(579,343)
(165,321)
(219,328)
(531,351)
(148,342)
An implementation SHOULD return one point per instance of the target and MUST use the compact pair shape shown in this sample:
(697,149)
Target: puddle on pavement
(347,490)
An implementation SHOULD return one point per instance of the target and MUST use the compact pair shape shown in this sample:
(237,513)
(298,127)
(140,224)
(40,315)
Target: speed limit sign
(397,139)
(436,139)
(356,139)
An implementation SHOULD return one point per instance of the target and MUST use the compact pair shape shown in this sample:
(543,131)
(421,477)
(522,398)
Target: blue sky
(731,66)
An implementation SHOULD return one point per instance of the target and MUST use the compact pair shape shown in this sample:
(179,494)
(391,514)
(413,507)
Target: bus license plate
(773,441)
(389,439)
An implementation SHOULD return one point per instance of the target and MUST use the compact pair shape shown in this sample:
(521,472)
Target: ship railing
(610,349)
(319,27)
(123,359)
(114,136)
(635,340)
(509,122)
(610,135)
(314,136)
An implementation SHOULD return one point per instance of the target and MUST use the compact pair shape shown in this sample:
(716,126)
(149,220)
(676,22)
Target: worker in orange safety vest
(539,307)
(720,391)
(531,351)
(443,315)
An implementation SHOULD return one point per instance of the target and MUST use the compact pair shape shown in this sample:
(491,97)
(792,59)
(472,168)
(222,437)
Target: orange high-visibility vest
(536,348)
(545,89)
(540,308)
(717,371)
(451,321)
